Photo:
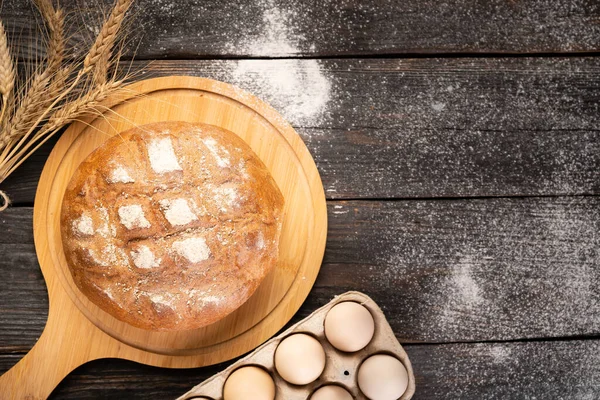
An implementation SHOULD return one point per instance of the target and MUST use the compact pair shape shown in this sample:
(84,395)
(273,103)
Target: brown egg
(299,359)
(331,392)
(249,383)
(382,377)
(349,326)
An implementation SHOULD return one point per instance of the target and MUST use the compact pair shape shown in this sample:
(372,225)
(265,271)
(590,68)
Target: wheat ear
(98,58)
(103,43)
(7,71)
(36,99)
(87,104)
(55,20)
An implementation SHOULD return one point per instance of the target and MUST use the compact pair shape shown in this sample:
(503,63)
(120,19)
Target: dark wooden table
(459,146)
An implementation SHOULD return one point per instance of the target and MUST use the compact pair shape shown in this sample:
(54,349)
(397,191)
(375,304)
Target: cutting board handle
(57,352)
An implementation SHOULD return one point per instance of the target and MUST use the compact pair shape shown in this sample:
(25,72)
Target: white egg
(349,326)
(299,359)
(331,392)
(382,377)
(249,383)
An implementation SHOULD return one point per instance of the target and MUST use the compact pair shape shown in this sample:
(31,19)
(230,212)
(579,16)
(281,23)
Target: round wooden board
(78,331)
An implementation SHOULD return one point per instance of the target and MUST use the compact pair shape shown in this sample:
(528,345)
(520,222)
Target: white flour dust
(177,211)
(120,175)
(144,258)
(296,88)
(162,156)
(132,216)
(276,38)
(194,249)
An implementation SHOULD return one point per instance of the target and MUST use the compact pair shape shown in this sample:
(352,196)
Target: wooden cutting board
(77,331)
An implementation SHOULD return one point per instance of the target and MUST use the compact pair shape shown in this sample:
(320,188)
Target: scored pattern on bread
(171,226)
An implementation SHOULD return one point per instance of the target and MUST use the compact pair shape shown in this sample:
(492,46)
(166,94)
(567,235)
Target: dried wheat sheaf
(58,91)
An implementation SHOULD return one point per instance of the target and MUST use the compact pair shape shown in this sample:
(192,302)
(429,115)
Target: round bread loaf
(171,225)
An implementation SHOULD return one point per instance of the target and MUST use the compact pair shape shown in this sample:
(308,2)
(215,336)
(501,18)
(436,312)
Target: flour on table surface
(194,249)
(299,89)
(144,258)
(132,216)
(84,225)
(525,267)
(177,211)
(120,175)
(162,156)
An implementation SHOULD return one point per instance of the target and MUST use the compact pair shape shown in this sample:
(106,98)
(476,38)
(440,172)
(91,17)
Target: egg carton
(340,367)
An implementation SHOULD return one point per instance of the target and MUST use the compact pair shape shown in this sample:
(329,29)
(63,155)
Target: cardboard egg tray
(341,368)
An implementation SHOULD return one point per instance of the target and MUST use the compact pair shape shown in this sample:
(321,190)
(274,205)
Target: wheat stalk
(83,105)
(7,71)
(99,55)
(55,21)
(87,104)
(37,98)
(97,58)
(53,98)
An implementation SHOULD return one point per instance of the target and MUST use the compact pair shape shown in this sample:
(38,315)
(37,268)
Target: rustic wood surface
(459,147)
(299,28)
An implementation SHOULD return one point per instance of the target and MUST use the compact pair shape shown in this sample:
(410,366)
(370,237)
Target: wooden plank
(533,370)
(515,370)
(289,28)
(423,128)
(23,300)
(442,271)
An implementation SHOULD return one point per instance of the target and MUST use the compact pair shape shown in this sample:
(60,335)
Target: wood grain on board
(472,371)
(412,128)
(291,28)
(442,271)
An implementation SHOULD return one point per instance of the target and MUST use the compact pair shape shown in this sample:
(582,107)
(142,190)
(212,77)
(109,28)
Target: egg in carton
(339,352)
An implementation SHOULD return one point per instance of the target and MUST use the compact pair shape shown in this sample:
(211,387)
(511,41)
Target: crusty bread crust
(171,225)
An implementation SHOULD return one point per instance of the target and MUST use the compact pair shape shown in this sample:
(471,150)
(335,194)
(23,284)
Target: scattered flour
(463,287)
(276,38)
(120,175)
(226,196)
(212,299)
(298,89)
(499,353)
(110,255)
(105,229)
(84,225)
(97,258)
(486,269)
(162,156)
(203,296)
(161,299)
(260,241)
(133,217)
(108,292)
(144,258)
(220,154)
(177,211)
(194,249)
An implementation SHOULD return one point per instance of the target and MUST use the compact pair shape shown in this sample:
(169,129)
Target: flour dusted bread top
(171,225)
